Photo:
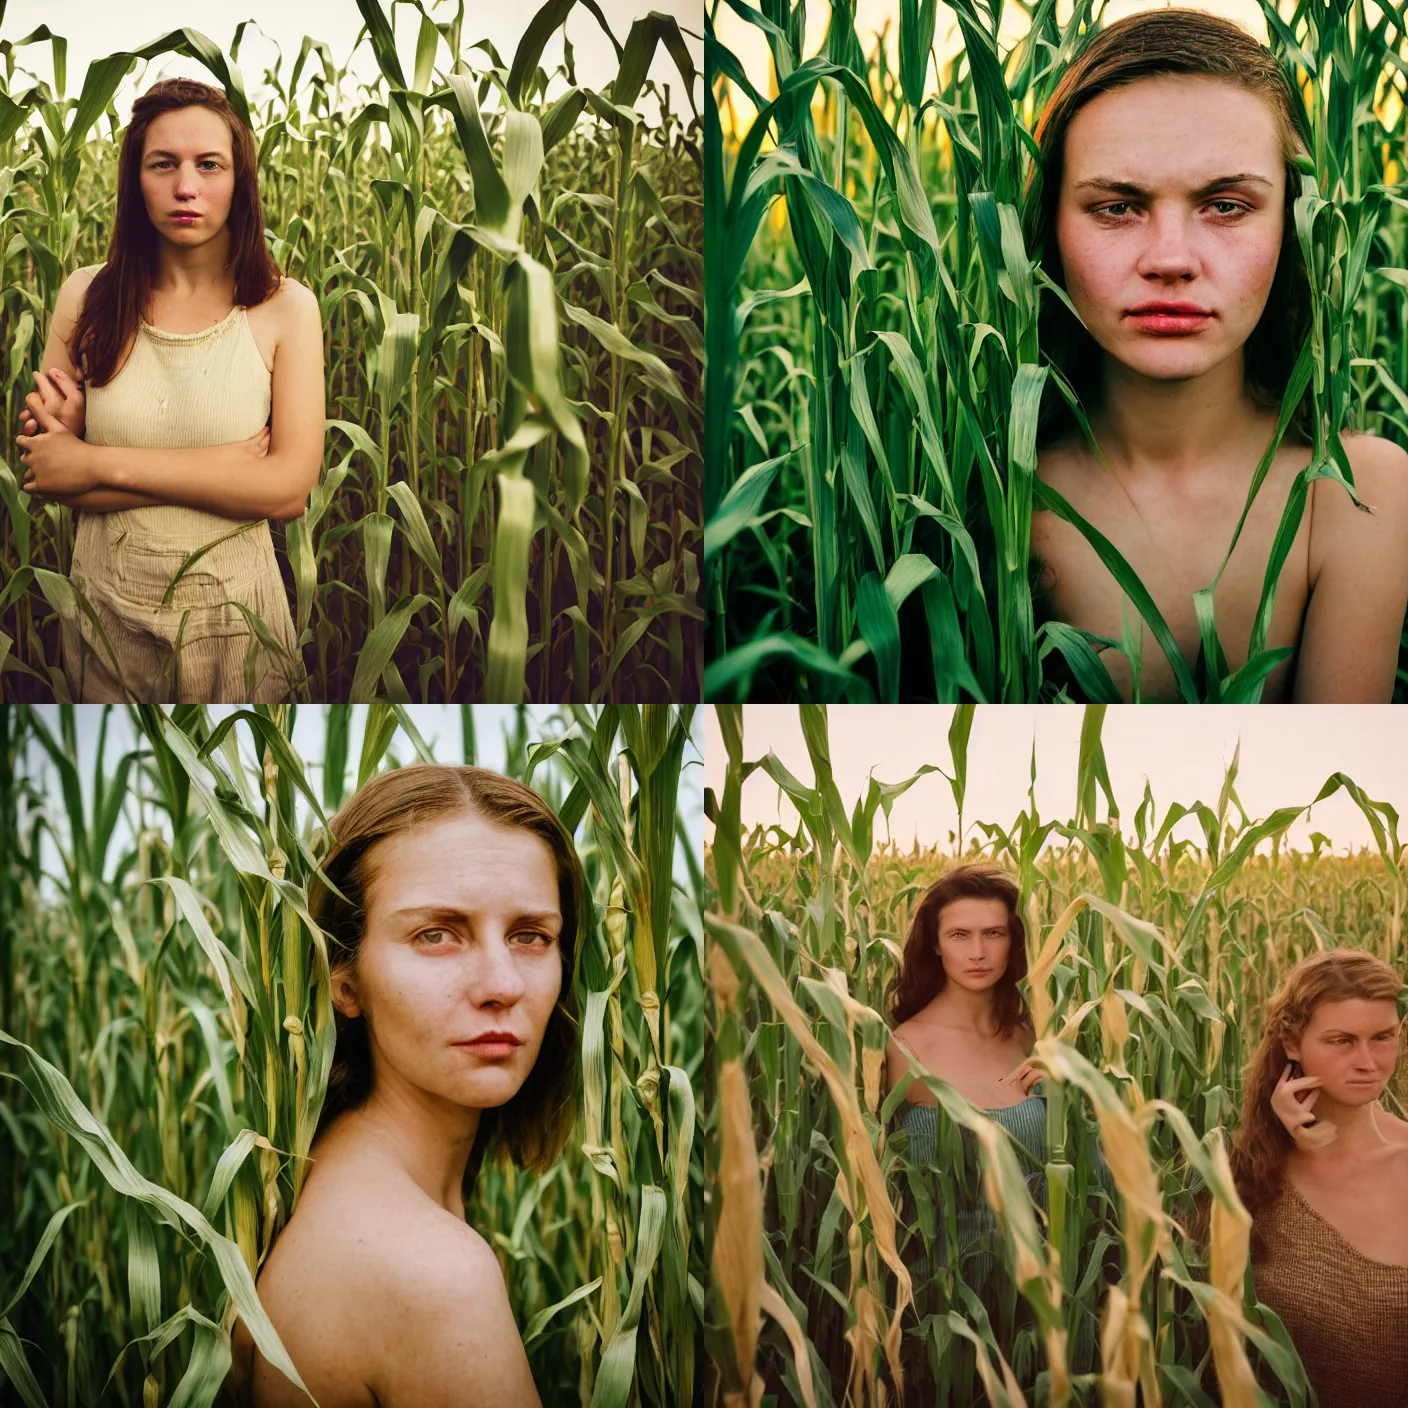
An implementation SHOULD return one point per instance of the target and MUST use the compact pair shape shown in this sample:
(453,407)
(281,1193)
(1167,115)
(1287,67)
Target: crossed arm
(236,480)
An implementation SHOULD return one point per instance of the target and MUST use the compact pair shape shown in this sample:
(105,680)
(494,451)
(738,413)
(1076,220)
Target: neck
(191,272)
(961,1007)
(427,1138)
(1143,425)
(1358,1132)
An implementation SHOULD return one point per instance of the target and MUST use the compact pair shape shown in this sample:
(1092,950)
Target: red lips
(1164,306)
(493,1037)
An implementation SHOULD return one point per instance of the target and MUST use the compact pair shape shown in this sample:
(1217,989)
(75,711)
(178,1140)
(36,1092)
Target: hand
(1296,1111)
(61,396)
(57,463)
(1024,1077)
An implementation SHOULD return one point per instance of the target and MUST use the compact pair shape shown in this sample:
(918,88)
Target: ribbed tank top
(182,390)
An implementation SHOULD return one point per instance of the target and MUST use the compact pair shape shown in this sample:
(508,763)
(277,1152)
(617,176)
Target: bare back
(354,1285)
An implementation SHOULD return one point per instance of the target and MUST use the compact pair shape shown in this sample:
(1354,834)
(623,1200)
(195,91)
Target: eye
(531,938)
(429,939)
(1237,207)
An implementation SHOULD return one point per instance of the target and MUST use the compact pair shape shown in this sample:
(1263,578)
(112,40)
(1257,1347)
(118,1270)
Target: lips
(185,216)
(493,1039)
(1163,306)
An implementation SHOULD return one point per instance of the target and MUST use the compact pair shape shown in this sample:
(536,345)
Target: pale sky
(1288,751)
(438,724)
(96,28)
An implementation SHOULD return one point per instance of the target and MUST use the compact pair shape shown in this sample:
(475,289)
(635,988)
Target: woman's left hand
(1027,1075)
(57,463)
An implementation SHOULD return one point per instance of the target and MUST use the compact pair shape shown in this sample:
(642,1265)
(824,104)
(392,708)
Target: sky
(439,726)
(1288,751)
(96,28)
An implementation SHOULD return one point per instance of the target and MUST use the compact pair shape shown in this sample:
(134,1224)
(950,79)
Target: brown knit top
(1346,1313)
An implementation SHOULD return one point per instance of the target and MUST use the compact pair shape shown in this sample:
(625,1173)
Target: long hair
(922,974)
(1155,42)
(533,1126)
(120,293)
(1260,1146)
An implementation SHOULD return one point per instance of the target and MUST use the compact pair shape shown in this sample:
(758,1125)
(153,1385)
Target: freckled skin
(1181,436)
(379,1290)
(1359,1183)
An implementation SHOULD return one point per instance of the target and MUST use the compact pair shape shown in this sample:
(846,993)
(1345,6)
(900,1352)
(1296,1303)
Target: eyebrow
(161,151)
(1128,188)
(448,911)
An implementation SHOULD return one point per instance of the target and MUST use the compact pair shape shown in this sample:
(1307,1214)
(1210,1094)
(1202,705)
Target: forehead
(188,132)
(462,858)
(1360,1015)
(1173,131)
(972,913)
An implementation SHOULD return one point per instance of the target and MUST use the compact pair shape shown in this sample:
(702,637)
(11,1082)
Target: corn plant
(168,1035)
(874,374)
(508,287)
(1150,961)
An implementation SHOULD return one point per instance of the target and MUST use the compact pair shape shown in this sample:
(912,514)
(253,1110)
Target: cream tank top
(182,390)
(179,391)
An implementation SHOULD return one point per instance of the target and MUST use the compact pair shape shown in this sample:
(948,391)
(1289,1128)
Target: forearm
(107,501)
(222,479)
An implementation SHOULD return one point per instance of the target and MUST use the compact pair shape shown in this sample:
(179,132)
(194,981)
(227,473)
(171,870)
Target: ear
(344,992)
(1291,1046)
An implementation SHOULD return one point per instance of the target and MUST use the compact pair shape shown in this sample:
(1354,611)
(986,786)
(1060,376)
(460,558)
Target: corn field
(1150,961)
(509,291)
(874,375)
(166,1035)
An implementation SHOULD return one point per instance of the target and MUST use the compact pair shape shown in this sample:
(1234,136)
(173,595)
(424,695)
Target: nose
(1169,252)
(494,978)
(186,181)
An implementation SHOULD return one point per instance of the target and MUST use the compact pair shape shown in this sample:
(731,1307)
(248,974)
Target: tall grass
(873,371)
(167,1035)
(509,292)
(1150,961)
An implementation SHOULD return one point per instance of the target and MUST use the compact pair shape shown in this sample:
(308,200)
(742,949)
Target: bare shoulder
(1380,469)
(68,303)
(294,300)
(452,1337)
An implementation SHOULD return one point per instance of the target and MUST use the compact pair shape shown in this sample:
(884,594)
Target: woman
(164,365)
(452,977)
(1165,210)
(958,1008)
(1323,1169)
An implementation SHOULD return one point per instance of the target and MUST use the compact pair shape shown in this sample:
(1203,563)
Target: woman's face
(1147,214)
(974,939)
(461,941)
(188,167)
(1352,1045)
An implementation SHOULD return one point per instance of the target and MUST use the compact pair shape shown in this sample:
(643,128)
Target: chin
(1353,1095)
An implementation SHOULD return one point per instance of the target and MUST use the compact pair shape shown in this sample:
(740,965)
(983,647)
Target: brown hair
(1260,1146)
(533,1125)
(922,974)
(1154,42)
(120,293)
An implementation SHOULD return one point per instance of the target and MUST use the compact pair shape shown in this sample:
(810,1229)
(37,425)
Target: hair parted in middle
(533,1126)
(922,974)
(120,294)
(1151,44)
